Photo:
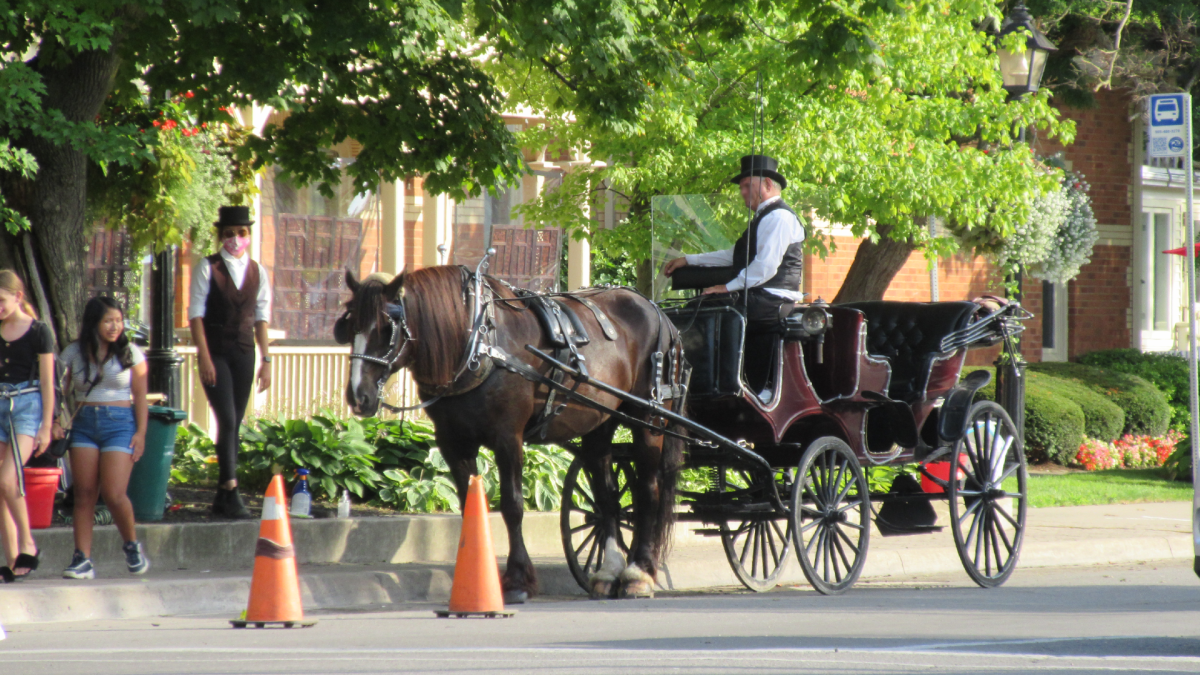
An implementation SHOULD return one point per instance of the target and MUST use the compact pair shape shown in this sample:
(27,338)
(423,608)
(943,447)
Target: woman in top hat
(768,258)
(229,312)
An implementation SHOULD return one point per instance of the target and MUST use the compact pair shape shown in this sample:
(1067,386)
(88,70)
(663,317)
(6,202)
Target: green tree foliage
(914,126)
(1143,46)
(404,78)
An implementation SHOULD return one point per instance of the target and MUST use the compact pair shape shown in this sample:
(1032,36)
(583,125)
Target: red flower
(188,94)
(156,123)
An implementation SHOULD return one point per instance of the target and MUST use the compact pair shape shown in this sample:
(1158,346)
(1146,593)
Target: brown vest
(229,311)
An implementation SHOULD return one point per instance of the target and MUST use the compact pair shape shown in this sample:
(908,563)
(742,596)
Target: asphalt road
(1120,619)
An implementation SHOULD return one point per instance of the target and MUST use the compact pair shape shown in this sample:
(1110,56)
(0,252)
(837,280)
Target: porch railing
(304,381)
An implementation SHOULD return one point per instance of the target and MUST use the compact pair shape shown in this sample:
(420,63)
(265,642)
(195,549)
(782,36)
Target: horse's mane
(366,305)
(439,321)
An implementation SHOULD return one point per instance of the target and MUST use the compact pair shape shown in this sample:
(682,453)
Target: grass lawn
(1113,486)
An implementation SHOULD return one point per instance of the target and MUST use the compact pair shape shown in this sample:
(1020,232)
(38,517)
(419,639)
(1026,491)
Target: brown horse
(424,321)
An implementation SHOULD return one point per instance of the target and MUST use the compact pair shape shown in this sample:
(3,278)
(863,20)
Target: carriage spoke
(970,509)
(848,506)
(977,528)
(592,551)
(1007,516)
(1008,546)
(848,542)
(810,526)
(1008,473)
(837,544)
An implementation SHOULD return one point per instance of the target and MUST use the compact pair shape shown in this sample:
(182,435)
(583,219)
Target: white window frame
(1062,338)
(1146,337)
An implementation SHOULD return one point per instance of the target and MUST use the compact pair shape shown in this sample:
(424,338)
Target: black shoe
(231,505)
(218,507)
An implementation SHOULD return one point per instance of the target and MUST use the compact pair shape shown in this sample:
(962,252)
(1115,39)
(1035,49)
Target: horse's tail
(670,463)
(673,448)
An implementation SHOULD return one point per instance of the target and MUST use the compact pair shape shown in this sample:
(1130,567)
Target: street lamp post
(1021,71)
(162,359)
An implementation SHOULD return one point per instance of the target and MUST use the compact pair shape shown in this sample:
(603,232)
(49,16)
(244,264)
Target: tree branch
(712,103)
(554,69)
(1112,64)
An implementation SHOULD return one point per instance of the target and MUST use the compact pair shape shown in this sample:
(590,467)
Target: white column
(391,227)
(579,263)
(435,217)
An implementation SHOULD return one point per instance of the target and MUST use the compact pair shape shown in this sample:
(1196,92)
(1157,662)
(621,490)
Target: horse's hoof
(515,597)
(637,589)
(636,583)
(601,590)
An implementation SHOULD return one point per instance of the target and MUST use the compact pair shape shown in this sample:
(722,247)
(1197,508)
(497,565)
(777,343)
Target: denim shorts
(109,428)
(25,413)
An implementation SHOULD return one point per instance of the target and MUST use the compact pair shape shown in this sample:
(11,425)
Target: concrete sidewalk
(375,563)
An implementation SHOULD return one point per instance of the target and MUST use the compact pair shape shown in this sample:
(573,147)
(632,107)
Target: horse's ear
(351,282)
(392,290)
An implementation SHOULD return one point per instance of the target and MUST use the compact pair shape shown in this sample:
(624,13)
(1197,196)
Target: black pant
(228,399)
(763,312)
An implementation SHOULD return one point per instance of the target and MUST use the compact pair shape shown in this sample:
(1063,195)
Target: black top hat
(233,215)
(760,165)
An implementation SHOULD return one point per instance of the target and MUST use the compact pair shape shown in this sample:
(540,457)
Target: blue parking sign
(1168,125)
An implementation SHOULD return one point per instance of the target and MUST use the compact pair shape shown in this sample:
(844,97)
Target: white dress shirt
(776,231)
(202,277)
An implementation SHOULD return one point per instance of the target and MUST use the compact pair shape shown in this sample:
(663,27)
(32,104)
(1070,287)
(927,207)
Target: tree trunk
(55,199)
(875,265)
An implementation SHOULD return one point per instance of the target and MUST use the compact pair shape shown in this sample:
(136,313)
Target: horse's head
(376,328)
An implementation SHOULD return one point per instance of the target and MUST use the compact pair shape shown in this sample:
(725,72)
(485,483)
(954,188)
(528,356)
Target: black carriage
(851,386)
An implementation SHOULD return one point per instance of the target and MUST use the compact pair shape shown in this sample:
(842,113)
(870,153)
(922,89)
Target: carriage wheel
(582,529)
(759,547)
(987,505)
(833,508)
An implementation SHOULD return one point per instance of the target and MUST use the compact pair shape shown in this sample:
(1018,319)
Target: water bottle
(344,505)
(301,497)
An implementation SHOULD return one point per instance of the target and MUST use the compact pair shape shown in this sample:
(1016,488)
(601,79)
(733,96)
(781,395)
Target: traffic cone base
(476,589)
(275,587)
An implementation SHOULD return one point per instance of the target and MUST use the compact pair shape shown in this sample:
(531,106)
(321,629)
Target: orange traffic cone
(476,590)
(274,589)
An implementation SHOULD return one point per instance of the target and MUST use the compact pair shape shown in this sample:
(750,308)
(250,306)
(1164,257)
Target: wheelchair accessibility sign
(1168,125)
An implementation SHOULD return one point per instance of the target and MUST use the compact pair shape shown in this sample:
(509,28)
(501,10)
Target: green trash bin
(148,482)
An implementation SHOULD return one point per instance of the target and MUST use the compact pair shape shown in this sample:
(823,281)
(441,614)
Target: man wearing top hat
(229,311)
(768,257)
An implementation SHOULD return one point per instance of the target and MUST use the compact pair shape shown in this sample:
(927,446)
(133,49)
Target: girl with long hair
(108,434)
(26,410)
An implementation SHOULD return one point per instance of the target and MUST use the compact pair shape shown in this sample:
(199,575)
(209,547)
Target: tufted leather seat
(909,335)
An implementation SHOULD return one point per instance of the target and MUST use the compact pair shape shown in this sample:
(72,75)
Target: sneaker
(80,567)
(137,562)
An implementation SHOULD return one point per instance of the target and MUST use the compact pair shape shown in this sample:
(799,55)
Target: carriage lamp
(1022,71)
(814,320)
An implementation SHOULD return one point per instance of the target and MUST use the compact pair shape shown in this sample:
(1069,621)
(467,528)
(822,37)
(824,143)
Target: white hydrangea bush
(1076,235)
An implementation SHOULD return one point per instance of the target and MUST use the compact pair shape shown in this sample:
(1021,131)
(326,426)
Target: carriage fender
(956,409)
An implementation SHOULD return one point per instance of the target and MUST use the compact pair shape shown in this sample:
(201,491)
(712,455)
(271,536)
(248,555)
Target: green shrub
(1054,424)
(1179,465)
(1147,411)
(1102,419)
(1167,372)
(388,462)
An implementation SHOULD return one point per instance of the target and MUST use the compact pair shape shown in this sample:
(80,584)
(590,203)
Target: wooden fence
(304,381)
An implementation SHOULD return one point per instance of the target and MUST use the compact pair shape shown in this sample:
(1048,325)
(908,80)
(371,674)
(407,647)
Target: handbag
(58,446)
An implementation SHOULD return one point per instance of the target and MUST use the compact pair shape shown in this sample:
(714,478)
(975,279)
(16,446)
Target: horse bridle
(401,335)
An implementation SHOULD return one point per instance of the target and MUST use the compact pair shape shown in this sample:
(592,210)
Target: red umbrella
(1182,250)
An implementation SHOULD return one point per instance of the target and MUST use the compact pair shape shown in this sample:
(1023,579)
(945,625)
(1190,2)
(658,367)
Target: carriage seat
(909,335)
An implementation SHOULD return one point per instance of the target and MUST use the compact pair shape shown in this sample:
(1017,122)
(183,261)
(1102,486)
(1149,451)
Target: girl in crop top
(108,377)
(26,408)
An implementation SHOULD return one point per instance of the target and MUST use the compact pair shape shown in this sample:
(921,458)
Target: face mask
(237,245)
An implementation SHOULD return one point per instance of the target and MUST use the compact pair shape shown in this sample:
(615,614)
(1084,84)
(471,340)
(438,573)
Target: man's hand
(672,265)
(711,290)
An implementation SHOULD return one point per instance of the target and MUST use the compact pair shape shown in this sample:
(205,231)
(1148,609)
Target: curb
(379,563)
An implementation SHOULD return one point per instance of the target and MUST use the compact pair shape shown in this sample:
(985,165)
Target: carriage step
(708,532)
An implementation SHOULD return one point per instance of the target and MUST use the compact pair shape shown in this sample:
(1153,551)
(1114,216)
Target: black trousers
(228,399)
(763,312)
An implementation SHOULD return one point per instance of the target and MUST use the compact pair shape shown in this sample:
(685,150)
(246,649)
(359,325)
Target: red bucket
(40,488)
(941,470)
